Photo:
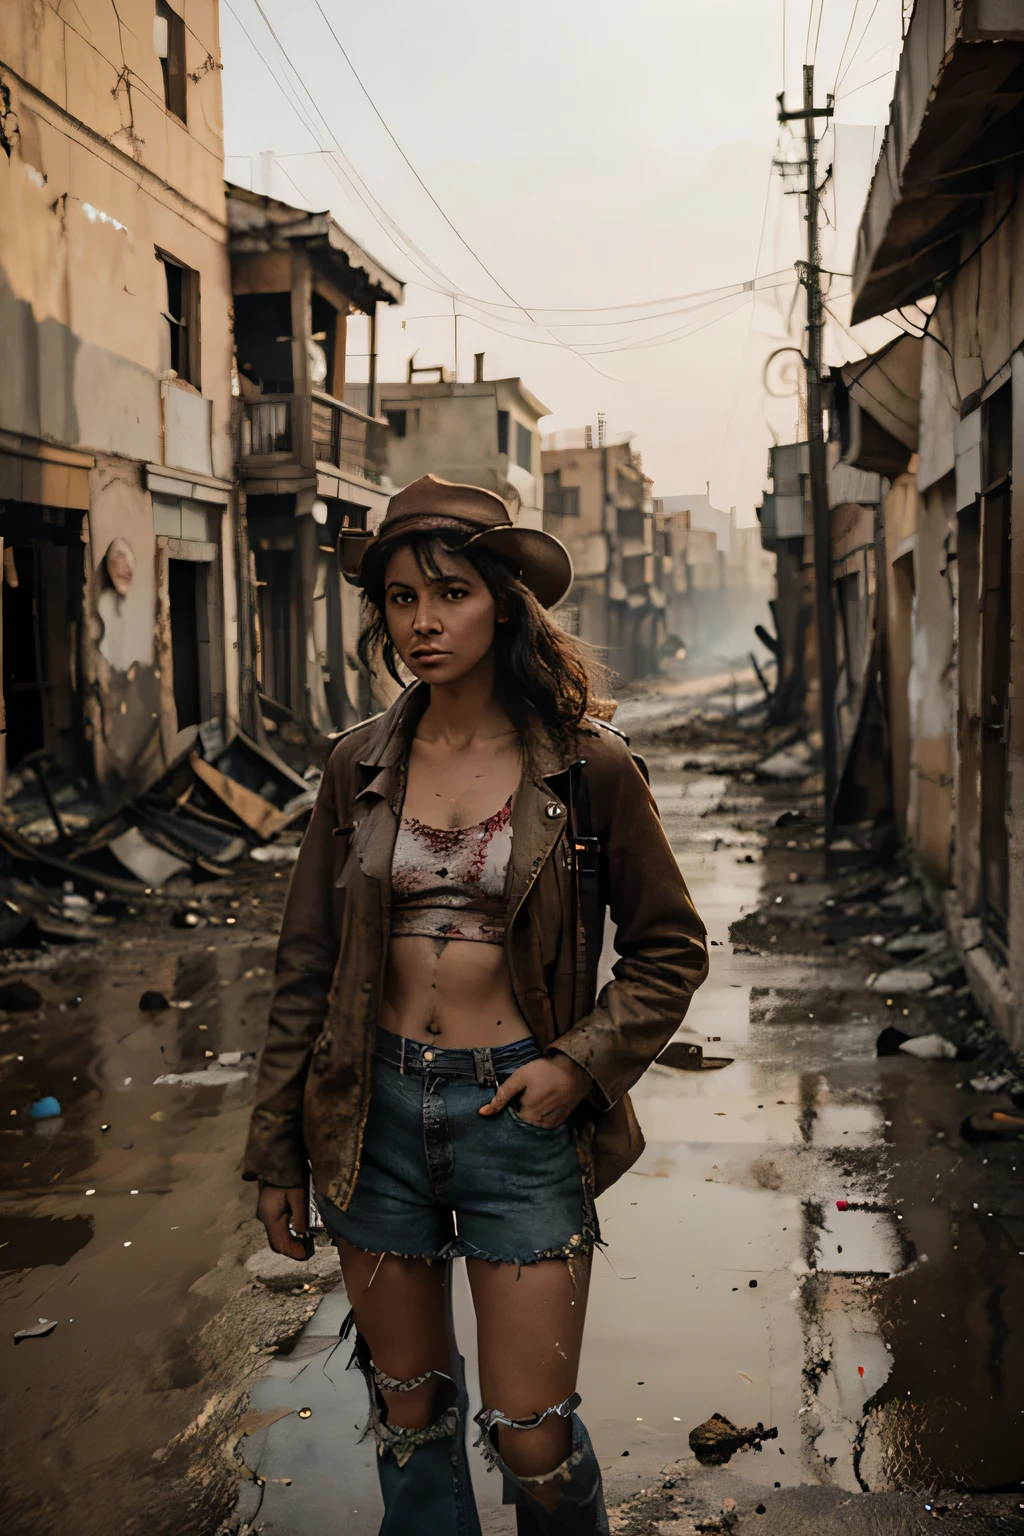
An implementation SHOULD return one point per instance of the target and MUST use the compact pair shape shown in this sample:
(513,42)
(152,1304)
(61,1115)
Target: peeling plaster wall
(85,205)
(123,683)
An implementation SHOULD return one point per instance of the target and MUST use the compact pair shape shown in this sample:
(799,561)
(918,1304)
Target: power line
(853,56)
(337,160)
(846,43)
(707,295)
(844,95)
(451,225)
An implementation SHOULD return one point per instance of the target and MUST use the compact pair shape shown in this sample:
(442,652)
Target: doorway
(274,575)
(23,673)
(995,707)
(187,606)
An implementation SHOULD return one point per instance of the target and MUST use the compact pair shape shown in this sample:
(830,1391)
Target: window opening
(503,431)
(182,316)
(169,40)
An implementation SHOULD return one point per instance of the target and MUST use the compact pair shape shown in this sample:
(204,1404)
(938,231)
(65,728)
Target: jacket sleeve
(307,953)
(661,941)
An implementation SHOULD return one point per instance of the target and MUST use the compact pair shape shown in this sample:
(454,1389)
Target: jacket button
(553,809)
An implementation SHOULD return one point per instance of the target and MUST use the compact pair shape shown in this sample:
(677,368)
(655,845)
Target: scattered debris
(992,1083)
(275,853)
(717,1440)
(215,1075)
(993,1125)
(690,1058)
(929,1048)
(153,866)
(902,981)
(39,1331)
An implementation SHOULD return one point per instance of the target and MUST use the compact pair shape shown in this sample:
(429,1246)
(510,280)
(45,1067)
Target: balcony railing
(310,430)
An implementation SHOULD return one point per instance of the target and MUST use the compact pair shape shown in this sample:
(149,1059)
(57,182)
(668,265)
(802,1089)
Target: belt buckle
(483,1064)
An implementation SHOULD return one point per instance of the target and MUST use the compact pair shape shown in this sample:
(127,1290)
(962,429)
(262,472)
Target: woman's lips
(429,655)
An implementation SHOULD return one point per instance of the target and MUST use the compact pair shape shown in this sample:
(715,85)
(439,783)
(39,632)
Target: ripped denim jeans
(424,1474)
(439,1180)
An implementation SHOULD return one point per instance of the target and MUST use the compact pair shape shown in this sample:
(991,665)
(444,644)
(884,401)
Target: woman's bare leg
(530,1330)
(400,1310)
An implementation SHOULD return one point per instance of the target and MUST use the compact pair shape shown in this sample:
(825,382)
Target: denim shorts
(439,1180)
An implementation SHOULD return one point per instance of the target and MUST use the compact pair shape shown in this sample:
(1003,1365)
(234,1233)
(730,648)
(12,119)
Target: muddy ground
(882,1341)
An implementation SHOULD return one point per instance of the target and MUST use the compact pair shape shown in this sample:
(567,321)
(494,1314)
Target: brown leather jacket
(313,1089)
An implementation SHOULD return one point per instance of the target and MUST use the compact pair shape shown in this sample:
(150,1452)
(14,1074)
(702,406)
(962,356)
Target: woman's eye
(456,592)
(401,597)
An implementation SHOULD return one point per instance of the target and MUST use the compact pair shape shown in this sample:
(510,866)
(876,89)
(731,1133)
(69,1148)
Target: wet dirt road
(883,1342)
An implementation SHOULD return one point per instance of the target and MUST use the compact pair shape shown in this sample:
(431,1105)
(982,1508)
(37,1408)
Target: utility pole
(810,276)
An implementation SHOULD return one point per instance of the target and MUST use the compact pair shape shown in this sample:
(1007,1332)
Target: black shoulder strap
(589,891)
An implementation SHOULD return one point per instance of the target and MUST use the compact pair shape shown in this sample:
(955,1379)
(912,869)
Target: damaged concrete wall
(99,180)
(122,682)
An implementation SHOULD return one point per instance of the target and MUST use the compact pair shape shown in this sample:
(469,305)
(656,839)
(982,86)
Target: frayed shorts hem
(575,1248)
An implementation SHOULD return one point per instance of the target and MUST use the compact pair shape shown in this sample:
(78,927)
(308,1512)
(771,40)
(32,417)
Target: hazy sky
(590,155)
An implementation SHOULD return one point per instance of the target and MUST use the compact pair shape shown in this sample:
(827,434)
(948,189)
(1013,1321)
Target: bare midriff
(450,992)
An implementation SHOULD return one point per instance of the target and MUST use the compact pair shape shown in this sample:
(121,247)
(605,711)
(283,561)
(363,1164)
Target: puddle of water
(29,1241)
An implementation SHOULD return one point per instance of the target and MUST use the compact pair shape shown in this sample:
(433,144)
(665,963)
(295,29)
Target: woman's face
(441,626)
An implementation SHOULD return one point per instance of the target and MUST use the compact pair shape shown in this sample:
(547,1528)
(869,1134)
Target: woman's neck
(466,712)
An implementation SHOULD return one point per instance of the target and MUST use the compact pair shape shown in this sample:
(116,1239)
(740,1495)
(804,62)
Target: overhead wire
(581,349)
(338,162)
(840,77)
(448,221)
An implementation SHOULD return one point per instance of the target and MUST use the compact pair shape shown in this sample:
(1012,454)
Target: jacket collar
(387,744)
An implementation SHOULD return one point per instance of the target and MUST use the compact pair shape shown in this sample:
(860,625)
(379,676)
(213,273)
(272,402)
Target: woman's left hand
(551,1088)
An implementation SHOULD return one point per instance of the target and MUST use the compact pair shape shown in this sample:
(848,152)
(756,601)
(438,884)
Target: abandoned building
(598,501)
(309,462)
(479,433)
(116,477)
(926,512)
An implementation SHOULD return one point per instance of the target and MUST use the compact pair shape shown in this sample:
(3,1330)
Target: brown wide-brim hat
(430,504)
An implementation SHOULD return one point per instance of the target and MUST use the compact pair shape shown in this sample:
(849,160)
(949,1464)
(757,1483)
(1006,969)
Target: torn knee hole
(385,1383)
(491,1418)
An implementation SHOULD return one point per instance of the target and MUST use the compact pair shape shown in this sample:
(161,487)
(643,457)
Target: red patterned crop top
(449,883)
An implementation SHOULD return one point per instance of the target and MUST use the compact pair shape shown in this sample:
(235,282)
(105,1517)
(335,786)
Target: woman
(435,1047)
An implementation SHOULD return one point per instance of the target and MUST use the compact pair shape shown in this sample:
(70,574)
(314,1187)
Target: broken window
(397,422)
(181,313)
(169,41)
(570,501)
(503,431)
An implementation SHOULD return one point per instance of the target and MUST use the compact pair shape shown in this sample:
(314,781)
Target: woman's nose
(426,620)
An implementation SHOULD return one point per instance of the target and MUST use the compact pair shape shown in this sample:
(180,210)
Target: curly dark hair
(540,671)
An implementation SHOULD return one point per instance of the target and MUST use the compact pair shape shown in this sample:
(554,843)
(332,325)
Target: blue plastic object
(46,1108)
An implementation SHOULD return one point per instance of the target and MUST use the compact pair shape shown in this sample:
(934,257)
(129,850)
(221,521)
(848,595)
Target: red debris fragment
(842,1205)
(860,1370)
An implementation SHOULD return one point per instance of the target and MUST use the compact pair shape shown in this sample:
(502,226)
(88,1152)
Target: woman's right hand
(281,1210)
